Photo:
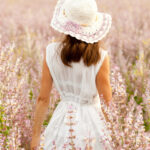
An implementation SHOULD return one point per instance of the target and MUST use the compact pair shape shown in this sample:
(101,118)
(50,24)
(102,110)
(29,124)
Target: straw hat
(81,19)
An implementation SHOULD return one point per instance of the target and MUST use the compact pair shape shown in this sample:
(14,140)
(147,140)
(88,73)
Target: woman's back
(78,81)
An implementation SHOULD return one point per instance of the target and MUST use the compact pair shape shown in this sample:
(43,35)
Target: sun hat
(81,19)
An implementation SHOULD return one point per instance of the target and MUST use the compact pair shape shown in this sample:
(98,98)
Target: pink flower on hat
(71,26)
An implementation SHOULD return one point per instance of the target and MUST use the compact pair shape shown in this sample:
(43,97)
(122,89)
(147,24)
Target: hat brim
(88,34)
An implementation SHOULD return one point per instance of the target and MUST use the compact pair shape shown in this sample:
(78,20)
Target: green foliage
(45,123)
(147,124)
(4,128)
(56,105)
(29,116)
(138,100)
(135,84)
(30,95)
(1,118)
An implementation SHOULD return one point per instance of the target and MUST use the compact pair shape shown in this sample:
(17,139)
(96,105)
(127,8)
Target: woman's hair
(73,50)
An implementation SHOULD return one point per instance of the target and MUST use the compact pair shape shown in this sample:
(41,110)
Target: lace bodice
(76,83)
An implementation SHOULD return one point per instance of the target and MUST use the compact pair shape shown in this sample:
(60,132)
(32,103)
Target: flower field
(24,35)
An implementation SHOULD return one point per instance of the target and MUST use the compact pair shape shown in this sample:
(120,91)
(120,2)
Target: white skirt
(75,126)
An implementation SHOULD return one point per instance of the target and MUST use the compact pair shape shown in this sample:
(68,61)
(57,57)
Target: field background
(24,35)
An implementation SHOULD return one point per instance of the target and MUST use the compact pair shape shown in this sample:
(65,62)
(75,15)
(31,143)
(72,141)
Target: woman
(79,68)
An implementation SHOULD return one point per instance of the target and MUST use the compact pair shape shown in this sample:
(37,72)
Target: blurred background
(24,34)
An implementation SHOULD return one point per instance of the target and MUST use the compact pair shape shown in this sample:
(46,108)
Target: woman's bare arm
(103,81)
(42,103)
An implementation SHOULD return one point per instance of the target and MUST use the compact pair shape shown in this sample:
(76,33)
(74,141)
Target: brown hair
(73,50)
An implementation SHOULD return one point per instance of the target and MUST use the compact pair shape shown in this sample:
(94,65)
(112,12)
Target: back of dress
(76,123)
(75,83)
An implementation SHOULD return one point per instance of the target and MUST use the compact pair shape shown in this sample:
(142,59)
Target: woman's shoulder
(103,51)
(51,48)
(52,45)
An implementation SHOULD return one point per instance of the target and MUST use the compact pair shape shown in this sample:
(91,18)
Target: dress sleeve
(49,61)
(48,54)
(103,55)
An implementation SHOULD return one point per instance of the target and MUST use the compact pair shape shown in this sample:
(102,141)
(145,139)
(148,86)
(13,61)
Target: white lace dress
(77,122)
